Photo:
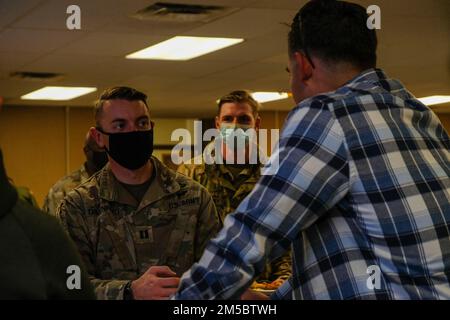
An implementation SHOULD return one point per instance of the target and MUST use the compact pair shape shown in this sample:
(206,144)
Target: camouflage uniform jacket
(119,239)
(218,180)
(61,188)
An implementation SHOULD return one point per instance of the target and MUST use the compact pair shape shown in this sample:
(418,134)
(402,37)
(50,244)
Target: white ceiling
(414,47)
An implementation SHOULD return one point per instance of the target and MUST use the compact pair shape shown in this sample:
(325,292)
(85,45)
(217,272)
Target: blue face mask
(234,133)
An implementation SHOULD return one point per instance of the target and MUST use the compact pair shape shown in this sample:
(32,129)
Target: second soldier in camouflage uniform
(137,224)
(95,160)
(229,184)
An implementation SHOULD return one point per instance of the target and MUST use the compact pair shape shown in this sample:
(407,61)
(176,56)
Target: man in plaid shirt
(362,188)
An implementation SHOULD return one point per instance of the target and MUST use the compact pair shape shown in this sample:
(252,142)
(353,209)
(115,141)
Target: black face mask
(132,149)
(99,159)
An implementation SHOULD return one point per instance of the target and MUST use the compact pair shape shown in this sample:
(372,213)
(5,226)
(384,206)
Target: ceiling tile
(35,41)
(11,11)
(110,44)
(413,47)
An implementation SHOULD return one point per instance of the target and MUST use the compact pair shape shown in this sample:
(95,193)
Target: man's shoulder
(369,91)
(206,175)
(187,183)
(328,106)
(87,191)
(188,188)
(69,181)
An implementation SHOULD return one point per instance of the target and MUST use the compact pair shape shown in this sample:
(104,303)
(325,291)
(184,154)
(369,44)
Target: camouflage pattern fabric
(119,239)
(61,188)
(228,192)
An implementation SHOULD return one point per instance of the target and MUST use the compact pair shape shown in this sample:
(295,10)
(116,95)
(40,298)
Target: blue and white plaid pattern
(363,181)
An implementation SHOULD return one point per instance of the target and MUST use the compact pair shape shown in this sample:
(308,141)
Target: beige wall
(42,144)
(79,120)
(35,143)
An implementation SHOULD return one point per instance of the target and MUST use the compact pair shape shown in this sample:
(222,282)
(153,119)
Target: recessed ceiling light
(432,100)
(262,97)
(183,48)
(58,93)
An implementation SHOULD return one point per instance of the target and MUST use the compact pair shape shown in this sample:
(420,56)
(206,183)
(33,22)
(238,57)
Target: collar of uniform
(110,188)
(163,184)
(83,171)
(84,175)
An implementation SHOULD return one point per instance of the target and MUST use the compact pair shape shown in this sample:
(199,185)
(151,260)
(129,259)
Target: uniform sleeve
(279,269)
(209,223)
(71,213)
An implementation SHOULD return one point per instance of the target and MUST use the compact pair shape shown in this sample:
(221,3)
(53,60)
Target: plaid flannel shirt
(363,182)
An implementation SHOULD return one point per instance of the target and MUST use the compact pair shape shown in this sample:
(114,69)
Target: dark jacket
(35,252)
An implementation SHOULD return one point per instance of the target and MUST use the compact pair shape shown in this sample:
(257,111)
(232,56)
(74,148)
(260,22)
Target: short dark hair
(334,31)
(239,96)
(125,93)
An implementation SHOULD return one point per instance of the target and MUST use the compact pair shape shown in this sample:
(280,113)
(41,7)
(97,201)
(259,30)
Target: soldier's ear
(258,123)
(97,136)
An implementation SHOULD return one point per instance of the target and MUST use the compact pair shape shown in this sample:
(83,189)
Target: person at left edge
(137,224)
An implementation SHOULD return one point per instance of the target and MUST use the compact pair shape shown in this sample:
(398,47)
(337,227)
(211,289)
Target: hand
(249,294)
(157,283)
(278,282)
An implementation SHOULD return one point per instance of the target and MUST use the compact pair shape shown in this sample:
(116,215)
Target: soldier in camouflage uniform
(95,160)
(138,236)
(229,184)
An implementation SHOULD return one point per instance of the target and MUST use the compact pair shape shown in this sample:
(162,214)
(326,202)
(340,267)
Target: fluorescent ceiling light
(183,48)
(432,100)
(262,97)
(58,93)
